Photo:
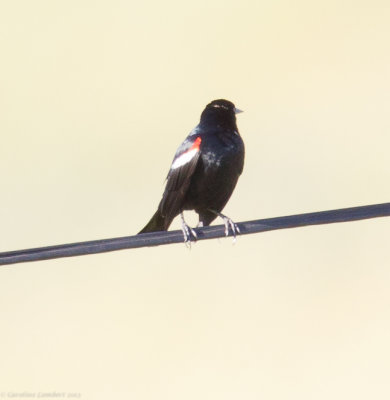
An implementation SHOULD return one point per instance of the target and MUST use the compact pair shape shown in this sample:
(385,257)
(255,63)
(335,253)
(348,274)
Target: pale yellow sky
(95,98)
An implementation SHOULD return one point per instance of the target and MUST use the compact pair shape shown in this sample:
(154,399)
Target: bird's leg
(187,231)
(229,223)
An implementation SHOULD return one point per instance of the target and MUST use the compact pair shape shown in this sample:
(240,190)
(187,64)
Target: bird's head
(222,112)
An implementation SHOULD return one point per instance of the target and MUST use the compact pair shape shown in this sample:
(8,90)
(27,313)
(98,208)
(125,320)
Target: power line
(210,232)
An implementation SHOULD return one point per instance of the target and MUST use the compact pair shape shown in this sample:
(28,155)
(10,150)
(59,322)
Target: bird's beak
(237,110)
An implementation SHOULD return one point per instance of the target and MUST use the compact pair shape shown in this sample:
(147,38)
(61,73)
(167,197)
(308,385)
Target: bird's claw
(188,233)
(230,224)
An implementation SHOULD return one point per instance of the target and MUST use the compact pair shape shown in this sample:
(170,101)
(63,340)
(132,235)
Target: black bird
(204,171)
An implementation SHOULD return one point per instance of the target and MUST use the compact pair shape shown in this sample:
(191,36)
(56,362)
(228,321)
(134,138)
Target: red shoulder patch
(196,144)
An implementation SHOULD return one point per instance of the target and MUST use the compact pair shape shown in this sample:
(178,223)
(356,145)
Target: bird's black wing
(179,176)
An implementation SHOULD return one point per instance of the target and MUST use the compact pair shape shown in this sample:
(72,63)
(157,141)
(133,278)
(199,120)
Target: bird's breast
(226,152)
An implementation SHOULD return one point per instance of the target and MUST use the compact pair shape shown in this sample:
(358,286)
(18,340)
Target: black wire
(210,232)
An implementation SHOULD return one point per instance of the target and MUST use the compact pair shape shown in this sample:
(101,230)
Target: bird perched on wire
(204,172)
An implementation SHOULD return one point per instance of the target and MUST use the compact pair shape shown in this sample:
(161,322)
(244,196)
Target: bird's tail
(157,223)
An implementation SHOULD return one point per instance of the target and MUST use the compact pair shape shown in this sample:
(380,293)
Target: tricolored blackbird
(204,171)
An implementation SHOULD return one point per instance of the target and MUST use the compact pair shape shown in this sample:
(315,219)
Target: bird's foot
(229,225)
(188,233)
